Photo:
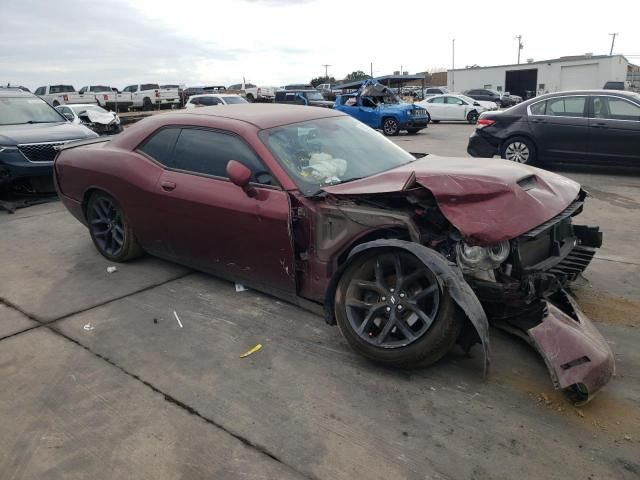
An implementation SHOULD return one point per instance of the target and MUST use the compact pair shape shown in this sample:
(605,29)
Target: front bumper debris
(577,355)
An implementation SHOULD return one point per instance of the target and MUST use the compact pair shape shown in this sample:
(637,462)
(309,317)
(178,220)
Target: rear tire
(519,150)
(147,105)
(110,229)
(472,117)
(392,309)
(435,121)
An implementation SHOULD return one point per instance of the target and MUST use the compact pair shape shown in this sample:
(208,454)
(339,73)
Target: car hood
(488,201)
(43,132)
(103,118)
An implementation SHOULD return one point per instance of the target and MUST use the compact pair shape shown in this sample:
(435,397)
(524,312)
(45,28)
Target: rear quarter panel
(127,176)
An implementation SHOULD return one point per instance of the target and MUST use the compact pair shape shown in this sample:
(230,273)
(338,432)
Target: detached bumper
(577,355)
(480,146)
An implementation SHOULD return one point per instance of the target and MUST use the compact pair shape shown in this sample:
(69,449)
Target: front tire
(110,229)
(390,127)
(250,99)
(519,150)
(392,309)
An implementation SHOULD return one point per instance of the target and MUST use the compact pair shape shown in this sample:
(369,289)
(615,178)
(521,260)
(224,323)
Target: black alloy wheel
(472,117)
(110,231)
(392,309)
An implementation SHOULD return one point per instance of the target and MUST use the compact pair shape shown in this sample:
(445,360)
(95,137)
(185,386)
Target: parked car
(453,107)
(30,129)
(181,94)
(516,98)
(254,93)
(614,86)
(209,99)
(299,86)
(490,96)
(376,106)
(109,97)
(431,91)
(56,95)
(92,116)
(407,255)
(564,127)
(311,98)
(327,90)
(148,95)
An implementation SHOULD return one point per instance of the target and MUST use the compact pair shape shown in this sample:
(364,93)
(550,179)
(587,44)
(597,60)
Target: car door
(214,225)
(614,129)
(560,128)
(366,110)
(437,108)
(455,108)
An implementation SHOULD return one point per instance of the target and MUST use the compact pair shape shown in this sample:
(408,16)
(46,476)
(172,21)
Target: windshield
(314,96)
(232,100)
(334,150)
(16,111)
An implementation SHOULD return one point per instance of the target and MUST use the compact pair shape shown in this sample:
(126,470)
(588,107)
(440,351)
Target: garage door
(576,77)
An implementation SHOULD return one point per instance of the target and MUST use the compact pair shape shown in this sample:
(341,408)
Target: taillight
(65,98)
(484,122)
(157,93)
(106,97)
(259,91)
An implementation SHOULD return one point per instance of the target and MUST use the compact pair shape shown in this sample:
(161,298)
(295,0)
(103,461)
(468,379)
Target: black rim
(107,226)
(392,300)
(473,117)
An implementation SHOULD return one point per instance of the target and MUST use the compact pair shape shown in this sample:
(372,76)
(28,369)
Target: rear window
(160,145)
(99,88)
(61,89)
(149,86)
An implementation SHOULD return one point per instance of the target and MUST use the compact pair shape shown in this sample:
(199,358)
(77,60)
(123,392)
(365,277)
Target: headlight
(482,258)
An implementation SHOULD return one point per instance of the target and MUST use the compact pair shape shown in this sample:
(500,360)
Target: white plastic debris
(241,288)
(88,327)
(175,314)
(112,269)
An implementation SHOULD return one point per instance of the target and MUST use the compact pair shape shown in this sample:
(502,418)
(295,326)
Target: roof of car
(222,95)
(623,93)
(14,92)
(266,115)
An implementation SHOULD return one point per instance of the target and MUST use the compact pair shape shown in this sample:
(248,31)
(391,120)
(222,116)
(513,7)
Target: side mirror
(69,116)
(240,176)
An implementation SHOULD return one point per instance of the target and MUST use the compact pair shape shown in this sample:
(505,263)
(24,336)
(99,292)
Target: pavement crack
(183,406)
(13,306)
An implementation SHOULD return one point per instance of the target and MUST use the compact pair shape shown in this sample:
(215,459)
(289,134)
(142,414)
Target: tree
(320,80)
(357,75)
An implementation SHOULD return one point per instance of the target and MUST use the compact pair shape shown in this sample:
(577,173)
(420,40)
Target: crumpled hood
(487,200)
(103,118)
(43,132)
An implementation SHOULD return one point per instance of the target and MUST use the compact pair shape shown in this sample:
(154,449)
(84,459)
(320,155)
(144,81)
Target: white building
(535,78)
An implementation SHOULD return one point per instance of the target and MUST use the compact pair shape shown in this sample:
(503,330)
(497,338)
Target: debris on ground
(580,413)
(627,437)
(252,351)
(112,269)
(175,314)
(88,327)
(241,288)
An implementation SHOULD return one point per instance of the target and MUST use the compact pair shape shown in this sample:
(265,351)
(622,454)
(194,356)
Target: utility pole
(520,46)
(326,66)
(453,64)
(613,41)
(371,65)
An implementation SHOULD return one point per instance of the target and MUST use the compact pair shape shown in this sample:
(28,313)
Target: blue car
(377,106)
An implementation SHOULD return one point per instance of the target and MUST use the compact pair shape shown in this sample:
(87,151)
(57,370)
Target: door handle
(539,120)
(600,125)
(167,186)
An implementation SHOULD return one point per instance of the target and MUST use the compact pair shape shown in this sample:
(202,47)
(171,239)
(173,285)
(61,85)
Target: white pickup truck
(56,95)
(109,97)
(254,93)
(149,95)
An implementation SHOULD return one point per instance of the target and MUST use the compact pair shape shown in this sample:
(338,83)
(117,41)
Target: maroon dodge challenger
(408,254)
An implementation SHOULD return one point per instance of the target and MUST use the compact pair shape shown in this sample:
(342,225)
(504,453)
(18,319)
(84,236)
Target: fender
(447,272)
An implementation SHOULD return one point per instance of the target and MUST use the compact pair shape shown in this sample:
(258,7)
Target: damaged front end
(526,294)
(103,123)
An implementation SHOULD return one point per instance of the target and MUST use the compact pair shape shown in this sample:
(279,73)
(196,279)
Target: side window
(194,101)
(208,152)
(437,100)
(538,108)
(290,97)
(620,109)
(207,101)
(566,107)
(160,145)
(367,102)
(149,86)
(131,88)
(41,90)
(452,100)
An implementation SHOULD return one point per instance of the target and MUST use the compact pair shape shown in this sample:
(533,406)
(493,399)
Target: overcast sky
(274,42)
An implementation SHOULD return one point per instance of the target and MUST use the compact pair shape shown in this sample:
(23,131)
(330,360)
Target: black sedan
(566,127)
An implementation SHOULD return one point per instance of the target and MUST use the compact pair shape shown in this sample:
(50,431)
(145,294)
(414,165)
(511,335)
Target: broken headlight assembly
(482,258)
